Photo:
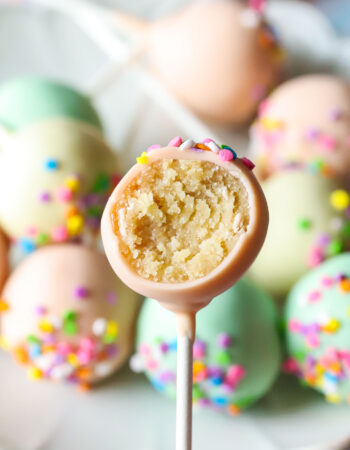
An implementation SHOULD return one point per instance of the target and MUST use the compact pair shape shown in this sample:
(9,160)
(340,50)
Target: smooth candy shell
(24,175)
(332,304)
(292,196)
(211,61)
(28,99)
(48,278)
(305,106)
(255,340)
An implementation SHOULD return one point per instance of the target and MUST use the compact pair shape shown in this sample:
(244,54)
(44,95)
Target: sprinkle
(224,340)
(3,306)
(34,373)
(143,159)
(112,328)
(59,233)
(136,363)
(81,292)
(327,143)
(332,326)
(99,327)
(51,164)
(226,147)
(73,360)
(226,155)
(3,343)
(340,199)
(111,297)
(312,133)
(64,194)
(26,245)
(223,358)
(189,143)
(45,326)
(304,224)
(40,310)
(42,239)
(72,183)
(314,296)
(103,369)
(45,197)
(233,409)
(199,349)
(152,147)
(75,225)
(202,147)
(344,286)
(175,142)
(212,145)
(335,114)
(335,247)
(247,162)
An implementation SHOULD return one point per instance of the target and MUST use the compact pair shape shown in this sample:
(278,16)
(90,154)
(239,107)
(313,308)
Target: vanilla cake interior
(179,219)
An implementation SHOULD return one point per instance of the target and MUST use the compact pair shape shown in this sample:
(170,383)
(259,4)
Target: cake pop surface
(68,316)
(214,61)
(305,122)
(309,222)
(25,100)
(158,194)
(55,177)
(236,353)
(318,329)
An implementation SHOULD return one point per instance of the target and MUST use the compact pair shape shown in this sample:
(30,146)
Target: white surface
(125,413)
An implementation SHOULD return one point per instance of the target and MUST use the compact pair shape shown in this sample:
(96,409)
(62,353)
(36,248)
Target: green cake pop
(236,351)
(318,329)
(28,99)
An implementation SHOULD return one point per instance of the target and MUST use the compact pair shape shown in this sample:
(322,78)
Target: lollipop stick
(185,337)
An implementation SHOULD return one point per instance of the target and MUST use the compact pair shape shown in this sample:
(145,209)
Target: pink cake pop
(182,226)
(219,58)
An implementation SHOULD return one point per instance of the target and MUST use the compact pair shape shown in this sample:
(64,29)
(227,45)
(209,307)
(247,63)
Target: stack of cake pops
(63,313)
(301,140)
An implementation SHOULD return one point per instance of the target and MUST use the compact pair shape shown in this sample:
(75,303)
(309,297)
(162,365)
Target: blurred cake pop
(305,123)
(219,58)
(309,222)
(66,316)
(236,353)
(318,329)
(55,177)
(28,99)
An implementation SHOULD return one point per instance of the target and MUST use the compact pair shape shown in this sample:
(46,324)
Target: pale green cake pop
(55,178)
(308,224)
(28,99)
(236,351)
(318,329)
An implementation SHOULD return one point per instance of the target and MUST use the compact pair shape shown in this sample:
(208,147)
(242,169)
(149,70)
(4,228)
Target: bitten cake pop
(305,122)
(26,100)
(55,177)
(309,222)
(219,58)
(182,226)
(318,329)
(67,315)
(236,353)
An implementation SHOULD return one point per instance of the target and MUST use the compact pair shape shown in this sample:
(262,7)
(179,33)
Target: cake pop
(236,353)
(67,316)
(309,222)
(25,100)
(182,226)
(55,177)
(219,58)
(305,122)
(318,329)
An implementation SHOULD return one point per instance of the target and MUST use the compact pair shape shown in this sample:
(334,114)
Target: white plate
(125,413)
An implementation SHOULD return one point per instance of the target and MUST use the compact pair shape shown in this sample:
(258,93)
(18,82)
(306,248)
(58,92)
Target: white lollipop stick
(184,376)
